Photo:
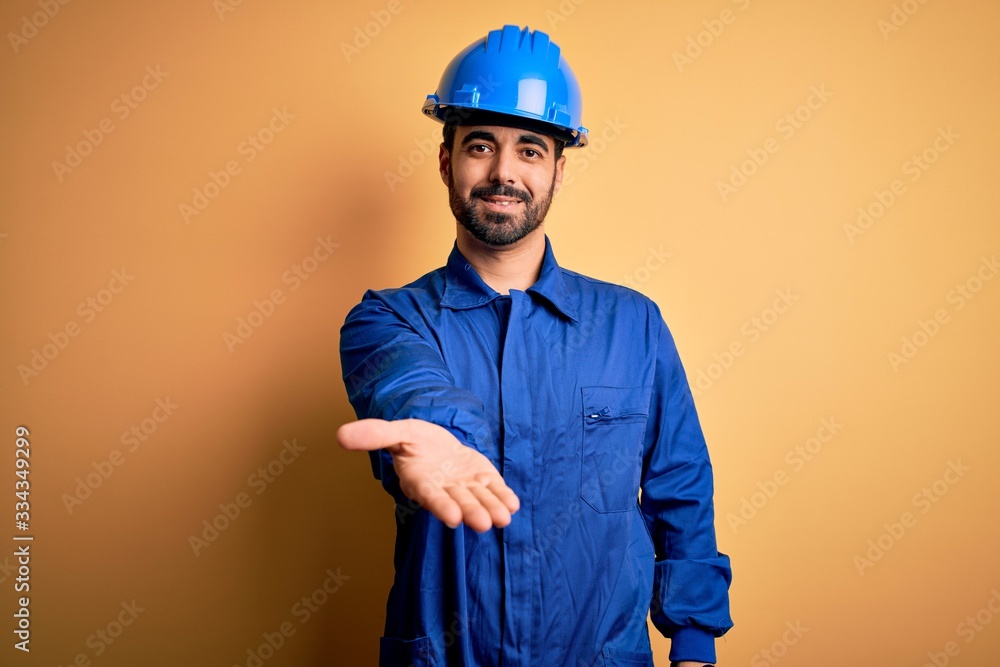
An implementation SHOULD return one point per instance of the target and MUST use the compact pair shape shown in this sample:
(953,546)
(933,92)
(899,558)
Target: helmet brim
(469,116)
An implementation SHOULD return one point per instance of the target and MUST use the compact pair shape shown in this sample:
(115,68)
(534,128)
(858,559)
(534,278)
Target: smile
(500,202)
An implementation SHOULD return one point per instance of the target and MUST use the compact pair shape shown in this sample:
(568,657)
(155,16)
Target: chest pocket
(614,426)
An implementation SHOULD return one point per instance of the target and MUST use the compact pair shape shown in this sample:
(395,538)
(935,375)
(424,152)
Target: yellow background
(672,130)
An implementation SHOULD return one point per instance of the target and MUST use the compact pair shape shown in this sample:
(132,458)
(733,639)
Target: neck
(516,266)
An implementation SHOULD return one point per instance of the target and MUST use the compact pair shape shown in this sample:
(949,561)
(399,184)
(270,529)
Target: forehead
(504,133)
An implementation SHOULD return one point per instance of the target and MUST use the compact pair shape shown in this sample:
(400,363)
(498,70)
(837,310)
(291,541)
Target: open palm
(454,482)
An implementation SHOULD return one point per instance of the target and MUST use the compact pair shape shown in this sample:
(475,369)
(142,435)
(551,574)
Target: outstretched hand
(452,481)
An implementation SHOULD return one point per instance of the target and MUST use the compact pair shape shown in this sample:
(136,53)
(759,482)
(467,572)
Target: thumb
(369,435)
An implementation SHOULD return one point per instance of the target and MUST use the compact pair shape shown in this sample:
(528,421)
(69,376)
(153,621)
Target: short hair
(463,117)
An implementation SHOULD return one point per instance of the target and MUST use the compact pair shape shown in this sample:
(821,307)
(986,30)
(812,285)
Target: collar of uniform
(551,285)
(465,289)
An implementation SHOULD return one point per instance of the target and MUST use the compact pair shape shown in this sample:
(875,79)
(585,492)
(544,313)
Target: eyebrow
(533,139)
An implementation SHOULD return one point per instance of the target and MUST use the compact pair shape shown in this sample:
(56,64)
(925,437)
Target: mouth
(501,203)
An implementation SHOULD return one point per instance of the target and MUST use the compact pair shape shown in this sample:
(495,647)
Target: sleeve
(691,578)
(393,372)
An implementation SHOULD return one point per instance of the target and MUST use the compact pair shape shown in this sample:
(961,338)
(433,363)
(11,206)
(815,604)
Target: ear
(560,163)
(444,163)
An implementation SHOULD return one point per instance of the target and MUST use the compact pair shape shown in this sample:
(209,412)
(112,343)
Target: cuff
(692,644)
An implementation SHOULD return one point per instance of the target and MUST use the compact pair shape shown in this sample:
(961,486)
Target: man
(514,410)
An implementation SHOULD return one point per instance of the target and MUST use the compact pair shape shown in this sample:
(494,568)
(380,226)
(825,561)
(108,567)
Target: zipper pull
(603,413)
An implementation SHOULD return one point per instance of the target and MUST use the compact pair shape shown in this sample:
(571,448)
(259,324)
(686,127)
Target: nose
(503,168)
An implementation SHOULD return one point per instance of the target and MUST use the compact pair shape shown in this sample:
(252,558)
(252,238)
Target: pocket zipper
(606,414)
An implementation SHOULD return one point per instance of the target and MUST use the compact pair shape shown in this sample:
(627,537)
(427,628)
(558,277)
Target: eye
(473,148)
(532,153)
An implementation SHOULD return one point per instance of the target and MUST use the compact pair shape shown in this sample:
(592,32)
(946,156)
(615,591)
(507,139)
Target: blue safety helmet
(512,72)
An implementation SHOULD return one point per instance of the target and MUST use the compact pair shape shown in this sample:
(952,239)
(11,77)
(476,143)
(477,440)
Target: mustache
(497,190)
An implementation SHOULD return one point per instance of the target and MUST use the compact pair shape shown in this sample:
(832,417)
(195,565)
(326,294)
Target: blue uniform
(574,390)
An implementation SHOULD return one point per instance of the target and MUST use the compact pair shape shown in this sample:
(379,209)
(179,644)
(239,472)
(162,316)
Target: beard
(496,228)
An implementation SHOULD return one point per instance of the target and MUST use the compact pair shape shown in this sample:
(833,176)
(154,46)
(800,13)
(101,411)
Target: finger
(494,506)
(441,505)
(474,514)
(370,434)
(503,492)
